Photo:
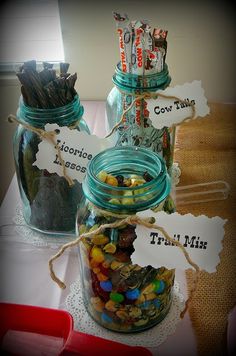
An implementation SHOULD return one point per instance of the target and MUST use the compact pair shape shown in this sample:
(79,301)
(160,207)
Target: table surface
(24,270)
(206,152)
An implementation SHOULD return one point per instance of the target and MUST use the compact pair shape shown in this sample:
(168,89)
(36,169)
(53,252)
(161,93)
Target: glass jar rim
(131,82)
(100,193)
(63,115)
(52,110)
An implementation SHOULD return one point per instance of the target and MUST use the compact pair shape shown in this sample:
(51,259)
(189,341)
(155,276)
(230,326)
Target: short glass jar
(136,128)
(49,203)
(119,295)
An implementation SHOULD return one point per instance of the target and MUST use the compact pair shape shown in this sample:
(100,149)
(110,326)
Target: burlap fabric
(207,152)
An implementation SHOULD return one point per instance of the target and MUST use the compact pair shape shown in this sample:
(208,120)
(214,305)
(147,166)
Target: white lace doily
(149,338)
(33,237)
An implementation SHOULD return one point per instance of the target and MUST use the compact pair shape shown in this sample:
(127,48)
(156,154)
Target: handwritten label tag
(166,112)
(201,236)
(77,149)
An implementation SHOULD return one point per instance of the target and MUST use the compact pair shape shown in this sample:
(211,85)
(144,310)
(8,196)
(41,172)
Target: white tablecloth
(24,276)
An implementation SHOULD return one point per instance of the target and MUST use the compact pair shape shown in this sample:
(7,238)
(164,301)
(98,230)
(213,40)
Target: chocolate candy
(106,318)
(120,180)
(132,294)
(159,286)
(106,286)
(147,177)
(157,303)
(117,297)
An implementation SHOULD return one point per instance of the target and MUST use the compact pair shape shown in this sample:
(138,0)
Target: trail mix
(126,197)
(119,295)
(133,196)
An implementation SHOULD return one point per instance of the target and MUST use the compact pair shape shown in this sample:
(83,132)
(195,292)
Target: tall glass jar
(49,203)
(136,128)
(119,295)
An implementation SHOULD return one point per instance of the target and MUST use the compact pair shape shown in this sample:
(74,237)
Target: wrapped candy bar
(151,62)
(124,30)
(138,50)
(148,38)
(160,42)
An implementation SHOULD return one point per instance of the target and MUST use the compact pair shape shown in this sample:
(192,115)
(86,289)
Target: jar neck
(133,83)
(127,161)
(63,116)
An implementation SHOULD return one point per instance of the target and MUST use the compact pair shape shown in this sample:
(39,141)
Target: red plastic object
(59,324)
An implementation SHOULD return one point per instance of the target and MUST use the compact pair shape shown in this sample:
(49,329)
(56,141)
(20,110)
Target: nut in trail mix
(126,197)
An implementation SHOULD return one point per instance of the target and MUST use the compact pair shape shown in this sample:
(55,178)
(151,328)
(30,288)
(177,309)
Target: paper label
(201,236)
(166,112)
(77,149)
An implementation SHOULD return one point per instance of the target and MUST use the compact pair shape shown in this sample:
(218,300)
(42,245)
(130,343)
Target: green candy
(159,286)
(116,297)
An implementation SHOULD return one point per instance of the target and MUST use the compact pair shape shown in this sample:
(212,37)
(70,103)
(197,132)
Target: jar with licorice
(49,203)
(118,294)
(141,70)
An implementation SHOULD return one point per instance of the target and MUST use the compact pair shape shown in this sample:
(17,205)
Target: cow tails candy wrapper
(160,41)
(148,38)
(124,30)
(160,53)
(138,49)
(151,62)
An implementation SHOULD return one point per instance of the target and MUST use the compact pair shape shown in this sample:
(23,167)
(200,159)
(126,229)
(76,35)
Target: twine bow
(151,95)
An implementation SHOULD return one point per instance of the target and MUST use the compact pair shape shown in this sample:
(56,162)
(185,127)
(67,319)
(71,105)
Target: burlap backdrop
(207,153)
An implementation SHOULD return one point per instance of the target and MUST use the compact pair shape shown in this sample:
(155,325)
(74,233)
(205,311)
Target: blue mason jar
(49,204)
(119,295)
(136,128)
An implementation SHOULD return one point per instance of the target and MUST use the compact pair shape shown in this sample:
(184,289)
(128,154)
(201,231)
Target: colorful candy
(117,297)
(106,286)
(106,318)
(97,254)
(132,294)
(100,239)
(157,303)
(110,248)
(159,286)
